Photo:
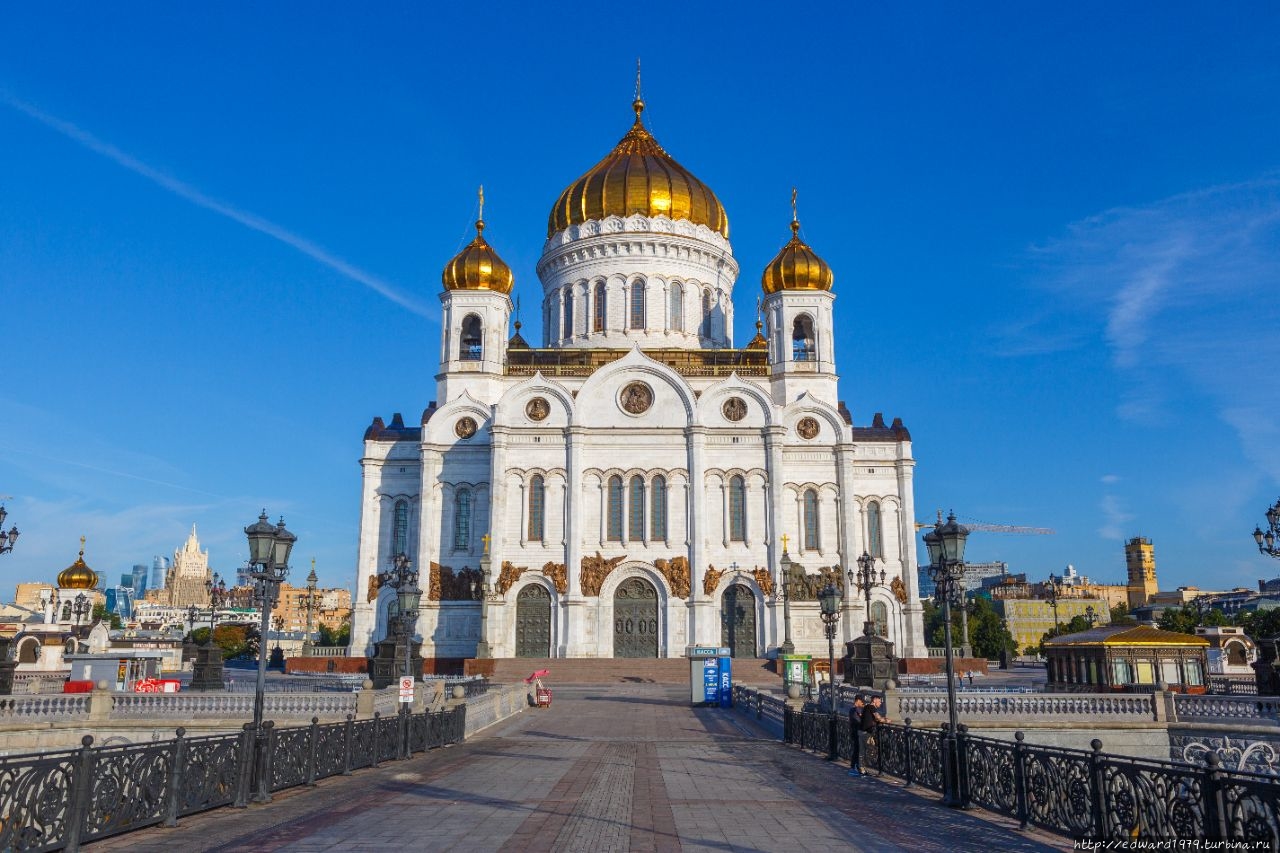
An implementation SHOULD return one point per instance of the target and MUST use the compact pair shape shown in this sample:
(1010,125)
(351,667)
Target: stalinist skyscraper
(185,581)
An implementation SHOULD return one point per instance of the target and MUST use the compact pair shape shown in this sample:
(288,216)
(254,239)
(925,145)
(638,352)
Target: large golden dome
(638,176)
(796,267)
(78,575)
(478,267)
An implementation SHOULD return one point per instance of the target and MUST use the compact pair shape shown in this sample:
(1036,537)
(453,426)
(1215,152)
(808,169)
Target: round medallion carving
(636,398)
(465,427)
(537,409)
(734,409)
(808,428)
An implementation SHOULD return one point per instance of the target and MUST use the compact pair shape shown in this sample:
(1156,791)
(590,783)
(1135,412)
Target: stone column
(574,642)
(497,532)
(701,610)
(773,439)
(850,545)
(364,613)
(913,611)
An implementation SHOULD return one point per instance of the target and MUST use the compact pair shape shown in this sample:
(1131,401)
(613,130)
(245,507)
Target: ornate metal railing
(1233,685)
(59,800)
(1078,793)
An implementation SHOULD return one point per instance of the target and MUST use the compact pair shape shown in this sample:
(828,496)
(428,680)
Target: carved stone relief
(445,585)
(711,579)
(805,587)
(465,427)
(808,428)
(558,575)
(676,571)
(509,575)
(734,409)
(636,398)
(537,409)
(899,590)
(374,583)
(764,580)
(595,570)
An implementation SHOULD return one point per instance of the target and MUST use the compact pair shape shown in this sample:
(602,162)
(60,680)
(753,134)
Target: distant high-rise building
(1140,559)
(120,600)
(139,582)
(189,574)
(159,567)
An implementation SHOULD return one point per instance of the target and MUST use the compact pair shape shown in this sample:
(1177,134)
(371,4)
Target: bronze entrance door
(533,622)
(738,621)
(635,620)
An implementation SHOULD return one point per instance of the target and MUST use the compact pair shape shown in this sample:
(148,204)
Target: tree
(232,639)
(330,637)
(988,633)
(1261,624)
(1120,615)
(1187,618)
(100,614)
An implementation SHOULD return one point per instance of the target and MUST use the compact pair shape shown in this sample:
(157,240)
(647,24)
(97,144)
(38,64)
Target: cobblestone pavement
(616,768)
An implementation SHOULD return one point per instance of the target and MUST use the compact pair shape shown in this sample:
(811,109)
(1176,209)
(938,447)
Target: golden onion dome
(640,177)
(78,575)
(796,267)
(478,267)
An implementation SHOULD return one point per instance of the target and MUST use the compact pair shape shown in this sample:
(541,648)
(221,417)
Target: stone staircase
(749,671)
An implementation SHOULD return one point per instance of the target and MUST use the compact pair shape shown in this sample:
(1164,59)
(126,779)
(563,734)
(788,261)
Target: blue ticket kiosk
(710,676)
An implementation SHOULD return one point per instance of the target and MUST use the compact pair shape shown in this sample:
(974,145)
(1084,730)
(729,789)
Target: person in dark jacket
(855,726)
(871,719)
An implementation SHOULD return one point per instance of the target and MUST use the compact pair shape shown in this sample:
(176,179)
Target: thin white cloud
(198,198)
(1114,518)
(1110,478)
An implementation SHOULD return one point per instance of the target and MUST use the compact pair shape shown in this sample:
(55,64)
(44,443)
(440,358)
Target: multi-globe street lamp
(829,602)
(787,647)
(80,607)
(7,539)
(206,673)
(193,613)
(403,578)
(309,602)
(1266,541)
(945,544)
(1090,615)
(269,547)
(1051,595)
(865,580)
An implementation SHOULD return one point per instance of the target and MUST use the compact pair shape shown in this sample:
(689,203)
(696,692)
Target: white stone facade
(543,452)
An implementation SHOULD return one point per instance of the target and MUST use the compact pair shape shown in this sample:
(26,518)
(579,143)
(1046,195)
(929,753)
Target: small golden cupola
(478,267)
(638,176)
(78,575)
(796,267)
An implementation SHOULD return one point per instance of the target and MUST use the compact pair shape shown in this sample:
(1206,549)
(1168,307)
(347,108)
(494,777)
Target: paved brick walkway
(614,768)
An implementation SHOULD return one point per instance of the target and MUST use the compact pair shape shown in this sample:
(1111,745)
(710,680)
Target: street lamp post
(206,674)
(1090,615)
(80,607)
(309,601)
(866,580)
(946,565)
(1266,541)
(403,578)
(193,613)
(787,647)
(1052,597)
(269,547)
(7,540)
(829,602)
(482,645)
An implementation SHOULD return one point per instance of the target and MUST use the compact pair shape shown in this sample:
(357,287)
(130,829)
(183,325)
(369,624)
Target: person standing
(855,729)
(871,720)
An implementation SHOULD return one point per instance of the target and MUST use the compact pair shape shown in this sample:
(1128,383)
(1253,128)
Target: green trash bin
(796,669)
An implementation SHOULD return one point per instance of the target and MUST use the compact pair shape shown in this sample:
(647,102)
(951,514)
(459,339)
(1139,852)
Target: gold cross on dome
(485,539)
(481,216)
(785,539)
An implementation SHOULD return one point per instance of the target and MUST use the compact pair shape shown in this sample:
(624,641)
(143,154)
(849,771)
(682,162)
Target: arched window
(875,540)
(802,341)
(66,612)
(567,331)
(810,520)
(658,509)
(637,304)
(553,322)
(601,307)
(400,529)
(471,344)
(635,510)
(537,504)
(614,532)
(462,519)
(29,651)
(737,509)
(880,618)
(677,307)
(706,313)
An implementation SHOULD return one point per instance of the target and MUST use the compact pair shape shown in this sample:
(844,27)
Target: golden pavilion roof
(478,267)
(796,267)
(1120,635)
(638,176)
(78,575)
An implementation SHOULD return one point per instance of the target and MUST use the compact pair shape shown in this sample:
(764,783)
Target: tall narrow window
(658,509)
(802,342)
(567,331)
(635,510)
(737,510)
(462,519)
(875,540)
(601,308)
(880,618)
(810,520)
(637,304)
(537,493)
(400,529)
(677,308)
(471,344)
(614,532)
(706,313)
(553,323)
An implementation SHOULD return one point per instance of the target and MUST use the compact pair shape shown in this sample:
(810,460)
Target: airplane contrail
(196,197)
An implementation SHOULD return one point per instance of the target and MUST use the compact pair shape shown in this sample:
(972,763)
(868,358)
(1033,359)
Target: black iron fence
(1079,793)
(59,800)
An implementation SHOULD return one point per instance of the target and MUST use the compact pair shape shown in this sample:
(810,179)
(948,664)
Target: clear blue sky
(1055,231)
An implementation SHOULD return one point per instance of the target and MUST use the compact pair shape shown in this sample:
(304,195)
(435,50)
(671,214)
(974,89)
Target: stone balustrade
(1208,708)
(43,707)
(224,705)
(927,707)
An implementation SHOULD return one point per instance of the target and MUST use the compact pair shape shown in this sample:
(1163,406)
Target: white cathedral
(629,487)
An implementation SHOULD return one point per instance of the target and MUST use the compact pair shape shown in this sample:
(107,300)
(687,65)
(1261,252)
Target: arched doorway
(635,620)
(533,622)
(738,621)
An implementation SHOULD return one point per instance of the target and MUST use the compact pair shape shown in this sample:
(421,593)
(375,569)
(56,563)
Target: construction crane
(994,528)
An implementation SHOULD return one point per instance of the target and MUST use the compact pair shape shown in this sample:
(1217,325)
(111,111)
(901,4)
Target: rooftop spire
(795,217)
(638,103)
(480,217)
